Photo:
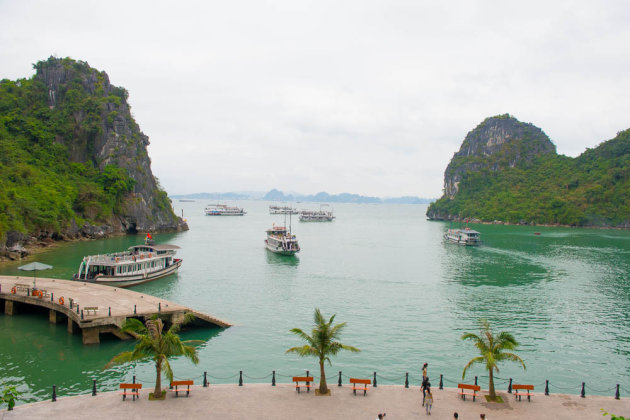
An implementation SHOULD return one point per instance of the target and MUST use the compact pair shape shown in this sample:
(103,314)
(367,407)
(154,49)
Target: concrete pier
(263,401)
(93,308)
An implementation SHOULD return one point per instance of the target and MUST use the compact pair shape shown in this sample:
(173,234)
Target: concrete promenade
(282,402)
(114,305)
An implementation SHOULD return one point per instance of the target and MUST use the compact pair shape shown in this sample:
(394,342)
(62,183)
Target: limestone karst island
(314,210)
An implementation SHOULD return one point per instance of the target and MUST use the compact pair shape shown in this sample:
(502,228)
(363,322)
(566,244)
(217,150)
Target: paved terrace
(262,401)
(114,305)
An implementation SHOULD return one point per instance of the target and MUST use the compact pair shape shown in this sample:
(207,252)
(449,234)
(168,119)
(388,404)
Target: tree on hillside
(158,345)
(492,351)
(322,343)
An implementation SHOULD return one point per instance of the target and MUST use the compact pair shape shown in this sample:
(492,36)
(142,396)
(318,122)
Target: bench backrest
(530,387)
(91,308)
(302,379)
(180,383)
(130,386)
(467,386)
(360,381)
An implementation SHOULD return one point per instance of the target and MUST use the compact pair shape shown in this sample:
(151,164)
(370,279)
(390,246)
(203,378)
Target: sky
(365,97)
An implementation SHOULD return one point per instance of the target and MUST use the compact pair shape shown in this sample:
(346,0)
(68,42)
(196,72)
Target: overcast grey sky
(367,97)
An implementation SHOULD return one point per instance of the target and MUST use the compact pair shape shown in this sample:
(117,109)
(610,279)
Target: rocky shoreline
(18,245)
(625,226)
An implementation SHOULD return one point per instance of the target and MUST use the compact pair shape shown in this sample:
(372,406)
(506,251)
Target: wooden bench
(307,379)
(134,390)
(93,309)
(360,384)
(522,387)
(187,383)
(19,287)
(473,388)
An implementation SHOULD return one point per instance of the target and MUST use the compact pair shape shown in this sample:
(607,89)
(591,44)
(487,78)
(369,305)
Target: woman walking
(428,403)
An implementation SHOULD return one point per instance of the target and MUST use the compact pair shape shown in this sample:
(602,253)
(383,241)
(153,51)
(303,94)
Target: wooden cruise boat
(223,210)
(139,264)
(321,215)
(281,241)
(465,236)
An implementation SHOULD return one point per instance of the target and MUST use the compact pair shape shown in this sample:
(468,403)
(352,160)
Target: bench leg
(188,391)
(355,391)
(364,392)
(297,388)
(124,395)
(473,398)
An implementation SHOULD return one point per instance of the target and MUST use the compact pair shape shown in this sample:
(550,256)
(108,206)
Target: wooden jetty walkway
(92,308)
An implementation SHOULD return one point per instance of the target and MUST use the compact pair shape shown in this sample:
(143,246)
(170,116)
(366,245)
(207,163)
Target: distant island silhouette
(321,197)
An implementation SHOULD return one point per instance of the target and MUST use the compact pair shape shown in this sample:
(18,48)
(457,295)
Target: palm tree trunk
(323,388)
(493,395)
(157,392)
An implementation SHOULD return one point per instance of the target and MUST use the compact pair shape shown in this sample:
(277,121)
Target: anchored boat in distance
(320,215)
(139,264)
(465,236)
(223,210)
(282,210)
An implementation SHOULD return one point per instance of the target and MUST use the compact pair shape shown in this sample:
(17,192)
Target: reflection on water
(276,259)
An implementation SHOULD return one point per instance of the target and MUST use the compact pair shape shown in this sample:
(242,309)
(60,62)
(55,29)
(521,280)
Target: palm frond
(478,359)
(133,325)
(305,350)
(303,335)
(166,368)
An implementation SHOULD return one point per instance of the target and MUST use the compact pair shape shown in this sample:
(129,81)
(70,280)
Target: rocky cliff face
(91,119)
(115,139)
(498,142)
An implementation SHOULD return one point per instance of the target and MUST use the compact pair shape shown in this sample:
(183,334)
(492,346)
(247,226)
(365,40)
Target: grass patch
(154,398)
(323,395)
(499,399)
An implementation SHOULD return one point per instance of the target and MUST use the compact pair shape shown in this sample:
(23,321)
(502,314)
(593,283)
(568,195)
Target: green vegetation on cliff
(52,178)
(590,190)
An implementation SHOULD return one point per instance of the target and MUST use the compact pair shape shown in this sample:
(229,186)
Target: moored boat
(465,236)
(282,210)
(223,210)
(139,264)
(281,241)
(320,215)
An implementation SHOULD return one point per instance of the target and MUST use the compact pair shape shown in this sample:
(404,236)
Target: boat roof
(160,247)
(467,230)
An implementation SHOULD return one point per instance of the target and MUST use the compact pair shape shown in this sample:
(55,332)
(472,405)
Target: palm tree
(158,345)
(492,351)
(322,343)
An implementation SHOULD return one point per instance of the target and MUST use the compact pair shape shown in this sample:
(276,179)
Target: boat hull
(128,281)
(280,251)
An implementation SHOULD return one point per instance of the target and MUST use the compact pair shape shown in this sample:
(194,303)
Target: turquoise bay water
(384,269)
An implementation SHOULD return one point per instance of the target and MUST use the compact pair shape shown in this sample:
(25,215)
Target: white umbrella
(34,267)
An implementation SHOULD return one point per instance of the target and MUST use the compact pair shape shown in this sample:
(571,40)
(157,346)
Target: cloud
(369,97)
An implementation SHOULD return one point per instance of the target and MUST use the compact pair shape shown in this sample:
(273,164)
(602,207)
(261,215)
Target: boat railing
(119,257)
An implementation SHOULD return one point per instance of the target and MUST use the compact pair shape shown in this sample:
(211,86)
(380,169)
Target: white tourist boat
(465,236)
(223,210)
(283,210)
(321,215)
(281,241)
(139,264)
